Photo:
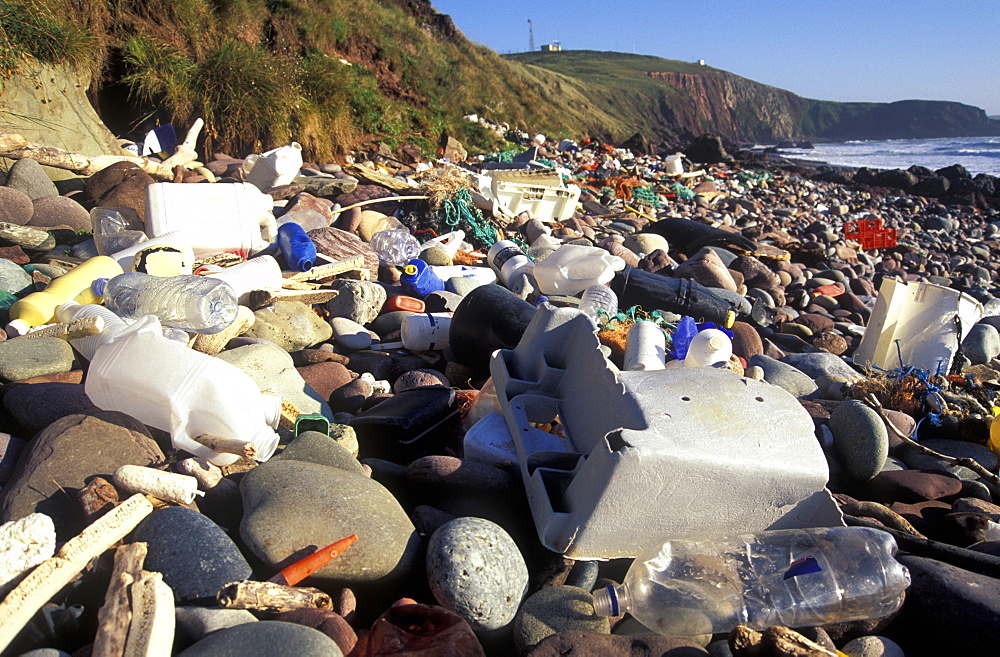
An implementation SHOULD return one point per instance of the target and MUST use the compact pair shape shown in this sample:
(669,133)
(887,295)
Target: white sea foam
(977,154)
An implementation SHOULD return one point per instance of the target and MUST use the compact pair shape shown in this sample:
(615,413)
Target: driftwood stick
(151,633)
(971,464)
(228,445)
(272,598)
(116,614)
(79,328)
(87,165)
(876,511)
(52,574)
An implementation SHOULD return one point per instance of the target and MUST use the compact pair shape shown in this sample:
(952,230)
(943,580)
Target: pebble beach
(447,557)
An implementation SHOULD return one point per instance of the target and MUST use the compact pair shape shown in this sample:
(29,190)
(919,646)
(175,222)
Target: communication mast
(531,37)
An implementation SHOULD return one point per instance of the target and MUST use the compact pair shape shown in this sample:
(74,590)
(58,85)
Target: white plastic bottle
(164,384)
(573,268)
(708,348)
(509,262)
(789,577)
(218,218)
(177,239)
(645,347)
(191,303)
(260,273)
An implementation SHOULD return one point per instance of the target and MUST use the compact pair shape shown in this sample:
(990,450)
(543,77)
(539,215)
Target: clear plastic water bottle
(598,298)
(116,229)
(190,303)
(395,247)
(790,577)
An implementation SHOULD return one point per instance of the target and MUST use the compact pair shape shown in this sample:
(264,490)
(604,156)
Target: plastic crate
(542,202)
(870,234)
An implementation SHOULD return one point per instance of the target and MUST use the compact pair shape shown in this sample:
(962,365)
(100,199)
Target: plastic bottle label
(803,566)
(505,254)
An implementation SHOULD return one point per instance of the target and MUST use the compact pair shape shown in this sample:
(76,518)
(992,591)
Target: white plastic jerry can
(164,384)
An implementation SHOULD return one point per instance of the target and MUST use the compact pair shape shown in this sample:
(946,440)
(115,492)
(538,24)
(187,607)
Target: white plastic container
(572,268)
(168,386)
(217,218)
(260,273)
(426,331)
(450,242)
(274,168)
(708,348)
(920,319)
(481,275)
(672,165)
(645,347)
(88,346)
(178,239)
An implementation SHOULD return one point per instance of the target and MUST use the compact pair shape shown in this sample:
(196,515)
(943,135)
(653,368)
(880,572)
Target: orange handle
(306,566)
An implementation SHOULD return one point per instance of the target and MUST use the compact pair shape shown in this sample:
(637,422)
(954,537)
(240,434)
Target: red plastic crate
(870,234)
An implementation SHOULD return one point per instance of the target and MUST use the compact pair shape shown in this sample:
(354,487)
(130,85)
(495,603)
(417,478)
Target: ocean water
(977,154)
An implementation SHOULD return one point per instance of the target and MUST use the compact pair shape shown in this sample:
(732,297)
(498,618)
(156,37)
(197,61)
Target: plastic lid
(98,286)
(410,270)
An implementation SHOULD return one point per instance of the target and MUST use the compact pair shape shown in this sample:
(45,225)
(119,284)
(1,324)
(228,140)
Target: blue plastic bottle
(295,245)
(419,279)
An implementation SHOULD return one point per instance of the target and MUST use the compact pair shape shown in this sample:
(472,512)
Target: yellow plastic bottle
(40,307)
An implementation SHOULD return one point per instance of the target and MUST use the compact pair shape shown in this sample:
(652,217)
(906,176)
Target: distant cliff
(666,96)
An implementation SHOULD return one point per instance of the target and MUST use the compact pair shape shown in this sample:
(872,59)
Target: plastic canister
(419,279)
(683,296)
(40,307)
(672,165)
(219,218)
(168,386)
(298,250)
(572,268)
(645,347)
(426,331)
(274,168)
(450,242)
(260,273)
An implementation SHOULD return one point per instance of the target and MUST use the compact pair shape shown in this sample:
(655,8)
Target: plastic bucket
(426,331)
(672,165)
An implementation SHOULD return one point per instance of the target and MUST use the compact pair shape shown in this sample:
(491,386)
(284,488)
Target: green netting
(501,156)
(646,196)
(683,193)
(460,212)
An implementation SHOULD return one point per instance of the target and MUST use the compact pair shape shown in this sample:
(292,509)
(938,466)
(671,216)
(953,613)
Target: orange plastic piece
(403,302)
(870,234)
(298,571)
(833,290)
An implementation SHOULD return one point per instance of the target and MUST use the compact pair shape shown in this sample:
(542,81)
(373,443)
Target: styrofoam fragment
(378,386)
(24,544)
(207,474)
(163,485)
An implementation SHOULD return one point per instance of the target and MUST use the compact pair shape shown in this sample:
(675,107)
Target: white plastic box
(651,455)
(918,325)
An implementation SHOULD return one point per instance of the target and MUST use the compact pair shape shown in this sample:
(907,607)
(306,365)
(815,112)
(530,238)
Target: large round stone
(860,439)
(475,570)
(555,609)
(264,639)
(194,555)
(292,325)
(60,460)
(289,505)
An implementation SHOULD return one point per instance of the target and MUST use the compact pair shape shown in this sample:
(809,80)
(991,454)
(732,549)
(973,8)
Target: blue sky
(847,50)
